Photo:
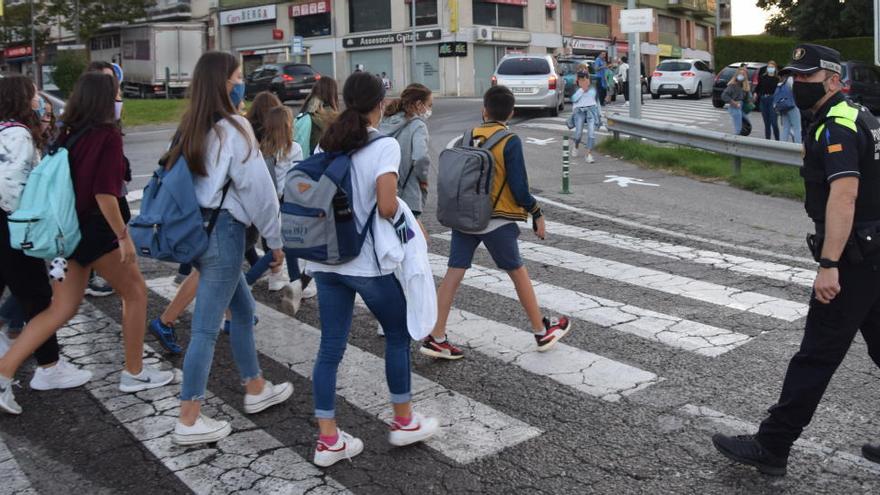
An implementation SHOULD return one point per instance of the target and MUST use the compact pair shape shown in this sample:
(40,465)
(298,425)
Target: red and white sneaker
(345,447)
(556,329)
(419,429)
(440,350)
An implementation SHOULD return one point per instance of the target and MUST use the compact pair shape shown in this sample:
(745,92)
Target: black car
(721,80)
(861,82)
(290,81)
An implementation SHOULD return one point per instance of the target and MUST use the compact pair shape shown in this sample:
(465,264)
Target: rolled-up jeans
(384,297)
(221,285)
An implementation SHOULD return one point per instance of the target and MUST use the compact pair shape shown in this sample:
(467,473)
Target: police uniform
(841,140)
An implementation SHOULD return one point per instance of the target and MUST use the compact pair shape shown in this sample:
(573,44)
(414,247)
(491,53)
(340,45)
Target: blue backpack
(170,226)
(783,98)
(317,216)
(45,224)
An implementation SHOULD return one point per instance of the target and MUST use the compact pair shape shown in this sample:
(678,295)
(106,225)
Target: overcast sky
(748,19)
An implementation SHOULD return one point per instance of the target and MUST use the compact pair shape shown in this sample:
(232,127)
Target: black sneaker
(445,350)
(745,449)
(871,452)
(556,328)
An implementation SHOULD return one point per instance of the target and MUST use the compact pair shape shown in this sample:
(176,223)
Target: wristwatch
(826,263)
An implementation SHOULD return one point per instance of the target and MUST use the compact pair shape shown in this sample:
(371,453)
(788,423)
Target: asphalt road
(687,298)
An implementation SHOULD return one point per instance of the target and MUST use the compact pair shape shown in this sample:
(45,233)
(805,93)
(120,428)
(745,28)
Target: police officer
(842,176)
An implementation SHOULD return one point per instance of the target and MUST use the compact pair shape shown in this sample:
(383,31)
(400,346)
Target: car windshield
(726,73)
(524,67)
(674,66)
(298,70)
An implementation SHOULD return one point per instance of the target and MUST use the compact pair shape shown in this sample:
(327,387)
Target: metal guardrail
(738,147)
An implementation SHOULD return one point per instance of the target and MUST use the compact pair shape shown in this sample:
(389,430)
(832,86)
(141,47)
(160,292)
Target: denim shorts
(502,245)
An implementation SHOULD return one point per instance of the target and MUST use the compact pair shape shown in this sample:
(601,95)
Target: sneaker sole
(146,386)
(269,401)
(869,456)
(763,468)
(546,347)
(10,411)
(95,293)
(213,437)
(42,388)
(439,355)
(411,440)
(331,462)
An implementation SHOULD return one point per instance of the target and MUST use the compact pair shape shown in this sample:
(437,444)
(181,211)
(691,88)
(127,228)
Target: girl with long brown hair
(318,110)
(97,169)
(229,174)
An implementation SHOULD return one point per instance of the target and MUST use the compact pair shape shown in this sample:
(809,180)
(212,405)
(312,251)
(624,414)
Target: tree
(69,65)
(814,19)
(90,15)
(15,25)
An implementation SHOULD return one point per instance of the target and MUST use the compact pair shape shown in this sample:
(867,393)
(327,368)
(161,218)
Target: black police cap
(808,58)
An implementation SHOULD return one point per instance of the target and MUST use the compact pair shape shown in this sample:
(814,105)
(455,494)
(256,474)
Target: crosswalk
(478,428)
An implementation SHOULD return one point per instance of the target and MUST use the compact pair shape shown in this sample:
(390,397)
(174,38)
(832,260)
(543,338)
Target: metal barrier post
(737,165)
(565,165)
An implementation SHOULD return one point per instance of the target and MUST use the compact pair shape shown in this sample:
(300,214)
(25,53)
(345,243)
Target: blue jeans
(585,115)
(260,267)
(221,286)
(791,125)
(384,297)
(771,121)
(737,115)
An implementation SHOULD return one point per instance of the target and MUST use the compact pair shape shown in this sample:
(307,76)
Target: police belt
(863,243)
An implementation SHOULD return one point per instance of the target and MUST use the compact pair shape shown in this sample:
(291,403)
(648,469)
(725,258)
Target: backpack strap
(466,138)
(9,124)
(216,212)
(495,138)
(72,139)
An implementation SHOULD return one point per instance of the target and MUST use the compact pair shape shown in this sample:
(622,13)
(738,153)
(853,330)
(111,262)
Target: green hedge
(761,48)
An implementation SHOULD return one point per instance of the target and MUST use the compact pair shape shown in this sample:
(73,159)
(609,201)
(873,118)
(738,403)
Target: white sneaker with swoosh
(148,378)
(7,399)
(419,429)
(345,447)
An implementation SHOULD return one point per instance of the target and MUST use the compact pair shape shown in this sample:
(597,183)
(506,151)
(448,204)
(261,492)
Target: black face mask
(807,94)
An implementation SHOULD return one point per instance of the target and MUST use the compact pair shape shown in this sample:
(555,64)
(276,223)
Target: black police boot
(871,452)
(745,449)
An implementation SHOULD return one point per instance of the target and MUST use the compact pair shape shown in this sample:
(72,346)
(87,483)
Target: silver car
(685,77)
(534,80)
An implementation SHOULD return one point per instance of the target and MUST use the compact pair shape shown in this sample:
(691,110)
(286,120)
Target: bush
(761,48)
(69,65)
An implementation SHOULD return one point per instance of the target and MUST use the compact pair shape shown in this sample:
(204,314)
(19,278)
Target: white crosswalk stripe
(14,481)
(471,429)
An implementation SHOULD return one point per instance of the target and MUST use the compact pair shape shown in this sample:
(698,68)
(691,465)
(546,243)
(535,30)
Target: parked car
(861,82)
(755,69)
(288,81)
(534,80)
(688,77)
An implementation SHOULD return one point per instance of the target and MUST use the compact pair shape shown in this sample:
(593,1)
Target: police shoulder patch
(835,148)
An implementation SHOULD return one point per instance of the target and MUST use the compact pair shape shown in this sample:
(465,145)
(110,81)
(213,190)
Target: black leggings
(28,281)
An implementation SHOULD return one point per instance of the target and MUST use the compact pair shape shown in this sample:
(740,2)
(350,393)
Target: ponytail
(409,99)
(362,93)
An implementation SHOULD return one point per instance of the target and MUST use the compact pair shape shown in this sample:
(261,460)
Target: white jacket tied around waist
(409,262)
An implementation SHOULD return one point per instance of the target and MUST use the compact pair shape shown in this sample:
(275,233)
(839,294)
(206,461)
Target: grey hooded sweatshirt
(412,134)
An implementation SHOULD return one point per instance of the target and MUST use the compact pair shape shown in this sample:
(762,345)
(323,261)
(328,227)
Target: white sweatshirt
(18,157)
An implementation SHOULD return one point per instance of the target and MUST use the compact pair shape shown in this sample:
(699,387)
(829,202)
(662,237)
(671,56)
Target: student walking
(229,175)
(375,164)
(318,110)
(767,84)
(585,111)
(737,95)
(514,204)
(784,104)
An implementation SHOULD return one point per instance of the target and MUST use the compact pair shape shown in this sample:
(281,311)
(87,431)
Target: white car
(688,77)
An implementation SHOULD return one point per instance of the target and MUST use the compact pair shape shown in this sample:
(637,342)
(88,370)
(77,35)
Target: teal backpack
(302,133)
(45,224)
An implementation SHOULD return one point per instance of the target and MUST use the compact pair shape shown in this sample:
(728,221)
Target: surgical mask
(237,94)
(771,71)
(41,107)
(117,110)
(807,94)
(740,78)
(427,114)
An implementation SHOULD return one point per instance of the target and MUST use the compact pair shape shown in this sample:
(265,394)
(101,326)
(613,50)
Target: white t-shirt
(368,164)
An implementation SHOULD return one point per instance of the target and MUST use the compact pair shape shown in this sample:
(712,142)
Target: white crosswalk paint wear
(675,332)
(668,283)
(470,429)
(248,459)
(12,478)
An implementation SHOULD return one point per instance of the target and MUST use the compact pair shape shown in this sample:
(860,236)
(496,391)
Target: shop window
(702,33)
(497,14)
(669,24)
(369,15)
(426,13)
(309,26)
(590,13)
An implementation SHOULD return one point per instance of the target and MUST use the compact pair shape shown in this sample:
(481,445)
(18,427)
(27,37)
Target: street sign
(296,45)
(71,47)
(637,20)
(877,32)
(453,49)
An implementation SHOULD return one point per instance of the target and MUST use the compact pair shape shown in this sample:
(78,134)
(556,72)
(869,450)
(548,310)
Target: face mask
(427,114)
(237,94)
(771,71)
(41,107)
(117,110)
(740,78)
(807,94)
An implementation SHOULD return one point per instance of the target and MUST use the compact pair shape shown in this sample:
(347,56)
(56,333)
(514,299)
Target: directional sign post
(296,45)
(634,21)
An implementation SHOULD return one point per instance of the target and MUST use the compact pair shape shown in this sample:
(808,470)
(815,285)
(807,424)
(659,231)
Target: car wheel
(717,103)
(699,92)
(655,96)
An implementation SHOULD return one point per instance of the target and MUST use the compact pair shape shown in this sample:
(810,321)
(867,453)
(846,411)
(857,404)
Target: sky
(747,18)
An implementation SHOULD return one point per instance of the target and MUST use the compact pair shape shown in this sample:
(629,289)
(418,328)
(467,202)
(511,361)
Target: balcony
(684,5)
(706,9)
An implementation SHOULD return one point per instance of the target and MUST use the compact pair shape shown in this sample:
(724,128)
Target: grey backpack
(464,183)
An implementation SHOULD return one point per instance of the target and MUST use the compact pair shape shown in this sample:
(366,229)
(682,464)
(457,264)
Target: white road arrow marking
(626,181)
(539,142)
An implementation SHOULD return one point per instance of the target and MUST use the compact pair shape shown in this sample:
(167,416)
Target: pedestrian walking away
(585,112)
(512,203)
(318,111)
(768,81)
(233,186)
(374,166)
(737,96)
(783,104)
(841,176)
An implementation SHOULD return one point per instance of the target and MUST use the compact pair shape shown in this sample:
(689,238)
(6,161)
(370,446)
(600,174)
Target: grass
(158,111)
(756,176)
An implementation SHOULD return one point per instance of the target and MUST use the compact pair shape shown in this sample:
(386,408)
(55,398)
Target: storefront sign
(587,44)
(456,49)
(391,39)
(277,34)
(244,16)
(310,8)
(664,50)
(521,3)
(17,51)
(296,45)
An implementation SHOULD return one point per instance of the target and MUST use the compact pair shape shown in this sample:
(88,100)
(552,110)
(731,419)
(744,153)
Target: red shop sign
(310,8)
(17,51)
(277,34)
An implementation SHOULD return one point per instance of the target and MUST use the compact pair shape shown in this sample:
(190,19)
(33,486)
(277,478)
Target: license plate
(305,91)
(523,90)
(670,86)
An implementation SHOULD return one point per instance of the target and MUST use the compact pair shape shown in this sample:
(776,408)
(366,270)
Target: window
(674,66)
(669,24)
(299,70)
(426,13)
(702,33)
(590,13)
(497,14)
(701,66)
(524,67)
(309,26)
(369,15)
